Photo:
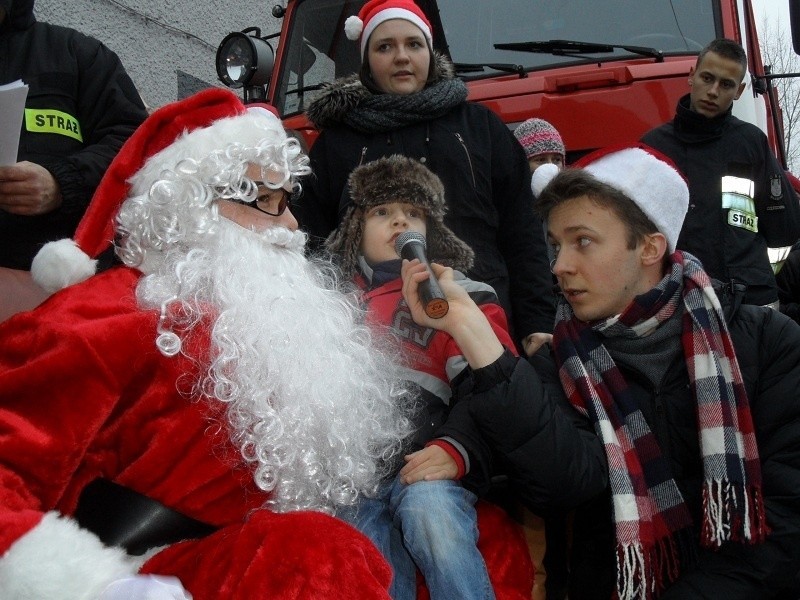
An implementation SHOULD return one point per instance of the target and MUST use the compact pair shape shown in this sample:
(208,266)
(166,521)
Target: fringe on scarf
(732,512)
(643,573)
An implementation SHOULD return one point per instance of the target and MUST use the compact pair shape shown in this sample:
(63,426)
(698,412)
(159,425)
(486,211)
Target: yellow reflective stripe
(44,120)
(737,202)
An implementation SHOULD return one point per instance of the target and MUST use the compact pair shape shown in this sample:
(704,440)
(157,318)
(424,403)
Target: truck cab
(603,72)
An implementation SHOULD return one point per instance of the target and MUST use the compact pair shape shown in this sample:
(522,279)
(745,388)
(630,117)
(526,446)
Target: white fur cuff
(57,560)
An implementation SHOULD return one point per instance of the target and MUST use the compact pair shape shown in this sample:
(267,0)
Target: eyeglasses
(272,202)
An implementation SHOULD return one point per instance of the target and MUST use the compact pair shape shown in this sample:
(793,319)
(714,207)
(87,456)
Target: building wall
(168,47)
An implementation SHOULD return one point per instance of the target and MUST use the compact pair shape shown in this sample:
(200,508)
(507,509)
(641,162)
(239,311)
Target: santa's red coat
(85,393)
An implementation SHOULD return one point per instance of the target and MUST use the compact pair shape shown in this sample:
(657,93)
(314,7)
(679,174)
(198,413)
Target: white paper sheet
(12,108)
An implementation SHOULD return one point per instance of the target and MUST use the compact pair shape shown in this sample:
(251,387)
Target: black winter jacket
(85,82)
(705,150)
(788,280)
(519,415)
(487,190)
(768,350)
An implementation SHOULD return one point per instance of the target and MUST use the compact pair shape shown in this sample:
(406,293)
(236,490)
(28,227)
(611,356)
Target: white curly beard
(312,402)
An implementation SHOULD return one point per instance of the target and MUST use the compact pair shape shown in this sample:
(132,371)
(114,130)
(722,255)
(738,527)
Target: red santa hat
(647,177)
(65,262)
(375,12)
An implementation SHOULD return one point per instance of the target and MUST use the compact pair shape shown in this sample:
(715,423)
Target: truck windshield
(318,51)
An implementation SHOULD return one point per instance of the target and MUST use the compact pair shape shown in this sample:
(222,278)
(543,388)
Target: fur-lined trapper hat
(397,179)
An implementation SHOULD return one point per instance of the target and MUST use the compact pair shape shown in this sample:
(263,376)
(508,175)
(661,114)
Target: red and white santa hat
(375,12)
(644,175)
(171,132)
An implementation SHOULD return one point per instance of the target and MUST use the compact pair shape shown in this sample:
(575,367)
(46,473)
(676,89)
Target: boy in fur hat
(430,524)
(407,99)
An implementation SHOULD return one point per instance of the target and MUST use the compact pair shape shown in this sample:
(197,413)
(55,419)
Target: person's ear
(739,91)
(654,246)
(691,75)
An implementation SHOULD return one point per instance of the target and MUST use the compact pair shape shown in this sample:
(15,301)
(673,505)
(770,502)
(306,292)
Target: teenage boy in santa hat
(693,397)
(428,524)
(164,421)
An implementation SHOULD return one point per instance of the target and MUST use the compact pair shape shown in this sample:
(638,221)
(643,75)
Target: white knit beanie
(644,175)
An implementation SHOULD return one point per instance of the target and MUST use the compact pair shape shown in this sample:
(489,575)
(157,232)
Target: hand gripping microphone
(411,245)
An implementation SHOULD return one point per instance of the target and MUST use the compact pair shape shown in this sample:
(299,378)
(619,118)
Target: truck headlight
(244,59)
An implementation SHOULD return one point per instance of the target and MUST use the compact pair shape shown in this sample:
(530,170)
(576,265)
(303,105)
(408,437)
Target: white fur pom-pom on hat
(542,176)
(60,264)
(353,27)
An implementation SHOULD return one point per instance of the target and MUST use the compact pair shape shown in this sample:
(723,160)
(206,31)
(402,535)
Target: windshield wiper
(573,48)
(480,67)
(302,90)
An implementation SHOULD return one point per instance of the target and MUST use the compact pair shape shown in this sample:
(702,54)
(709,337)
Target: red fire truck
(603,72)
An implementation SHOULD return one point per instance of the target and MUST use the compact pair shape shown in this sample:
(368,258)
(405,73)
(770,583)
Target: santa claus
(171,415)
(179,425)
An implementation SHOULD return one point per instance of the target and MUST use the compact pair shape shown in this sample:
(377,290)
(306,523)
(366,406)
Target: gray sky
(777,11)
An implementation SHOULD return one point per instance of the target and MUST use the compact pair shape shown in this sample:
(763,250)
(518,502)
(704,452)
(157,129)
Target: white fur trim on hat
(653,184)
(393,13)
(58,560)
(60,264)
(248,129)
(542,176)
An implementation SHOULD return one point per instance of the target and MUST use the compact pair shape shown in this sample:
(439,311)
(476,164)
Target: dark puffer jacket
(549,452)
(75,83)
(487,190)
(788,280)
(768,349)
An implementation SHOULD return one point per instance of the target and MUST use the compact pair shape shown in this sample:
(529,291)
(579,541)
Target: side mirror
(794,22)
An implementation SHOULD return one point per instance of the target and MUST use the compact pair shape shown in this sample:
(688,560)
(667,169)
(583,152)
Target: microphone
(411,245)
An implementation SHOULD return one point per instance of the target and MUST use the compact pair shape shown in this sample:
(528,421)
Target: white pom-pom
(353,27)
(542,176)
(61,264)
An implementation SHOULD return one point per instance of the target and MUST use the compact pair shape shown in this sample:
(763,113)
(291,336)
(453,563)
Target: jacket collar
(692,126)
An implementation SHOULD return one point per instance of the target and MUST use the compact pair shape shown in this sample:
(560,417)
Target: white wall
(168,47)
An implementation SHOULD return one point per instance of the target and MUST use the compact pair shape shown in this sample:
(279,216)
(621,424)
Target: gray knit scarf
(349,102)
(379,113)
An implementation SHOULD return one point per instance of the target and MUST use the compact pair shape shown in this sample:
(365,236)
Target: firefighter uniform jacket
(740,200)
(81,107)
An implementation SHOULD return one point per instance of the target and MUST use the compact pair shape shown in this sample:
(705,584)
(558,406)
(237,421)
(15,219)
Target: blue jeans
(431,525)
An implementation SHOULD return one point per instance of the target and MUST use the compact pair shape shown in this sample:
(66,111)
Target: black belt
(122,517)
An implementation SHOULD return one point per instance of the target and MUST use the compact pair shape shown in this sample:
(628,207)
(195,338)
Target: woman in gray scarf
(406,100)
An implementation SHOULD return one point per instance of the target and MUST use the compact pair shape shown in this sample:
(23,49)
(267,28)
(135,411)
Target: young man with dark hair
(740,200)
(692,395)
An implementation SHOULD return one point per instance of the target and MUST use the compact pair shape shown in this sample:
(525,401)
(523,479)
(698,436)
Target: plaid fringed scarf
(652,521)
